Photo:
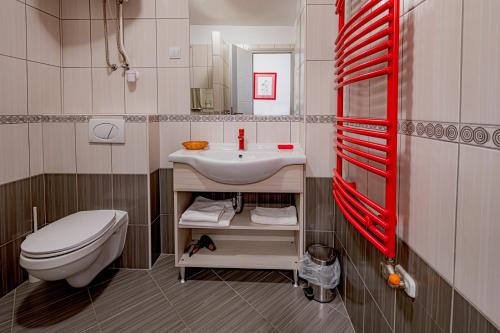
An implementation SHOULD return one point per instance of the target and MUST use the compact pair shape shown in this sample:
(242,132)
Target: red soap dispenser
(241,139)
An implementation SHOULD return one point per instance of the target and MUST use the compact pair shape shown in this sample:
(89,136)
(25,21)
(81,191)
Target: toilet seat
(68,234)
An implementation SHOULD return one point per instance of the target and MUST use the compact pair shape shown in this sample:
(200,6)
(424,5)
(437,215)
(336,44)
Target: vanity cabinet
(243,244)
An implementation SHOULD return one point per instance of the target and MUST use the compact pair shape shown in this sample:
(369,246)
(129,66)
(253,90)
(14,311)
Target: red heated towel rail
(367,46)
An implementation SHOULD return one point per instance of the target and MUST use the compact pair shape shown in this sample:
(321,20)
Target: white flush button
(174,52)
(107,130)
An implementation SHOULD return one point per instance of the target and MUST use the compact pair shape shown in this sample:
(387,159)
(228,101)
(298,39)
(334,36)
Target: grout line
(93,308)
(13,311)
(42,11)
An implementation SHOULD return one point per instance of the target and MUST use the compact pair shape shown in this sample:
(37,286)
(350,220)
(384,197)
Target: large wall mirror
(243,57)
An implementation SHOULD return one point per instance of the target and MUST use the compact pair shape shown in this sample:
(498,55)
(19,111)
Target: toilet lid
(70,232)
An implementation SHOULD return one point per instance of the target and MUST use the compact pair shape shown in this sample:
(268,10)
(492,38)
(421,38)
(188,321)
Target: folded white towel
(224,221)
(206,210)
(276,216)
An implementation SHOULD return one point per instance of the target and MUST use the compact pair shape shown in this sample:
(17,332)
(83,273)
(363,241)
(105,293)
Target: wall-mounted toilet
(76,247)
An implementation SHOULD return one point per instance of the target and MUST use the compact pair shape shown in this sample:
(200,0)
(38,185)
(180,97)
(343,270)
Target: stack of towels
(275,216)
(208,213)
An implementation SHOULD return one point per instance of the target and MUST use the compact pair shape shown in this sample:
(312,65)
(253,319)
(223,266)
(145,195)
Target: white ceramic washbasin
(224,163)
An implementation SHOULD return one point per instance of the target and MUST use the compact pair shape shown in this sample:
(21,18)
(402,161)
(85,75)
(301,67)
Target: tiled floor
(155,301)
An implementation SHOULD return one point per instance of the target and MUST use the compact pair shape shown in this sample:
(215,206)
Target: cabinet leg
(182,271)
(295,278)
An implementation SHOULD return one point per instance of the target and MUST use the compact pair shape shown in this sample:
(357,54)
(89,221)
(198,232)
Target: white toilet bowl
(76,247)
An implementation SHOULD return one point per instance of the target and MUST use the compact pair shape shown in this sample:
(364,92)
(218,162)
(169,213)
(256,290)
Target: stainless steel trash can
(324,256)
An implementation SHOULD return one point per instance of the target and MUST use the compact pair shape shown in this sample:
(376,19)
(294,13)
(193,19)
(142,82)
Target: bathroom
(94,112)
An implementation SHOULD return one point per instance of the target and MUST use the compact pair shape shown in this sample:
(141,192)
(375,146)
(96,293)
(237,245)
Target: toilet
(75,248)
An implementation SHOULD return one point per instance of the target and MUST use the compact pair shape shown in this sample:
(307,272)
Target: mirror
(243,58)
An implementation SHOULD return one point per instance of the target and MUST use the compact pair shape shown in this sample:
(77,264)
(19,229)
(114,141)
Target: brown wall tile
(166,191)
(154,194)
(130,193)
(136,251)
(374,319)
(38,198)
(320,208)
(94,192)
(155,240)
(466,319)
(15,210)
(319,237)
(167,234)
(11,272)
(354,296)
(60,196)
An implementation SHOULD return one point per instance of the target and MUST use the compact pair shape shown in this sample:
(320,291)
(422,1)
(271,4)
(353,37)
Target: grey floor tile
(164,272)
(199,294)
(6,305)
(241,279)
(233,316)
(317,317)
(70,314)
(152,315)
(5,327)
(93,329)
(124,290)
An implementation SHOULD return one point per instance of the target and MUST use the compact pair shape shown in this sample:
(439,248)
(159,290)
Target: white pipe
(121,45)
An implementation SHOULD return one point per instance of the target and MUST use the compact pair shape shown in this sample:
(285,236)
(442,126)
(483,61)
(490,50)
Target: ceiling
(243,12)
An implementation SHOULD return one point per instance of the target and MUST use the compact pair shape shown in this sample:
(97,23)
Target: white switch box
(174,52)
(107,130)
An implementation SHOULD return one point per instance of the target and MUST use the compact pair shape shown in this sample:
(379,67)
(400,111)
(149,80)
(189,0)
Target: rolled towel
(206,210)
(275,216)
(224,221)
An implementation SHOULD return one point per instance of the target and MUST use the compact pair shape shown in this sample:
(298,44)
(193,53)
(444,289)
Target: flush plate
(107,130)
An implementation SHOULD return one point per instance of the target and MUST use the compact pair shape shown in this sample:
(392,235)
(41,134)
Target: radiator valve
(398,278)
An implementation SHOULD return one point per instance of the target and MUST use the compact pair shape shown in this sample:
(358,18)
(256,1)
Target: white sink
(224,163)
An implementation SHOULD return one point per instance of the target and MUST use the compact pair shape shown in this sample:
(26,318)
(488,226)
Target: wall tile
(155,240)
(431,79)
(13,87)
(154,195)
(96,10)
(477,267)
(466,319)
(35,148)
(140,40)
(15,210)
(374,321)
(14,152)
(139,9)
(130,193)
(75,9)
(136,251)
(154,146)
(76,43)
(273,132)
(91,158)
(94,191)
(319,237)
(12,273)
(60,196)
(480,75)
(172,9)
(44,89)
(320,156)
(131,157)
(13,29)
(77,90)
(210,131)
(167,191)
(200,77)
(59,154)
(354,296)
(38,198)
(141,96)
(43,37)
(413,318)
(174,91)
(321,95)
(320,209)
(49,6)
(320,32)
(97,41)
(231,132)
(172,134)
(199,55)
(108,91)
(427,200)
(173,33)
(167,234)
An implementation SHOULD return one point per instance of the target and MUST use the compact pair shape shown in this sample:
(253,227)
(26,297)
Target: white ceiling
(243,12)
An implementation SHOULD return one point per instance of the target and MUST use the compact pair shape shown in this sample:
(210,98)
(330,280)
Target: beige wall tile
(59,154)
(319,2)
(295,128)
(481,69)
(132,157)
(172,8)
(319,151)
(36,148)
(44,89)
(320,32)
(96,10)
(13,29)
(75,9)
(200,55)
(44,40)
(427,200)
(231,131)
(173,91)
(321,95)
(91,158)
(172,134)
(98,50)
(14,152)
(173,33)
(139,9)
(273,132)
(77,90)
(13,99)
(140,41)
(478,231)
(154,146)
(211,131)
(141,96)
(431,65)
(76,43)
(108,91)
(200,78)
(49,6)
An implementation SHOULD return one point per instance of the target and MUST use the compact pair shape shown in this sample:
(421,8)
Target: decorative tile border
(480,135)
(432,130)
(317,119)
(228,118)
(19,119)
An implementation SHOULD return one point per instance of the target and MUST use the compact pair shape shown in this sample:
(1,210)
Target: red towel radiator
(367,46)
